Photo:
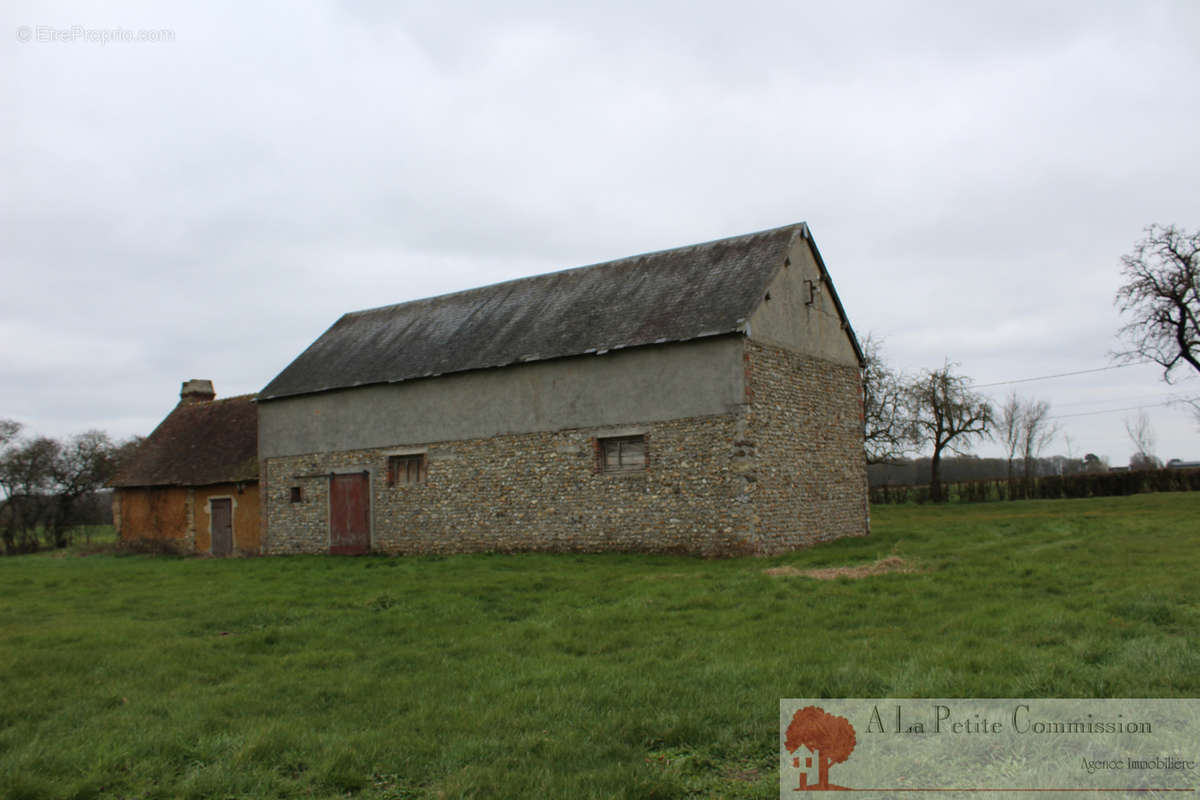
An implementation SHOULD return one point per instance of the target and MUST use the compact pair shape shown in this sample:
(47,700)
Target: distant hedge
(1050,487)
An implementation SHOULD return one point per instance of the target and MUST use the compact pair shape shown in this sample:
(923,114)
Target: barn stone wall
(781,471)
(537,491)
(810,477)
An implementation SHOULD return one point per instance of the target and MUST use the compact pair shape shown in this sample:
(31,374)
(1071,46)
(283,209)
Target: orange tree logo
(827,737)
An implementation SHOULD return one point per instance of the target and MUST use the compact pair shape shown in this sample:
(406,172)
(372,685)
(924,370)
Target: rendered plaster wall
(801,314)
(647,384)
(246,517)
(181,515)
(152,513)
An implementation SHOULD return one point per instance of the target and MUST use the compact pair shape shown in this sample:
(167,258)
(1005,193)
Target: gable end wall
(804,440)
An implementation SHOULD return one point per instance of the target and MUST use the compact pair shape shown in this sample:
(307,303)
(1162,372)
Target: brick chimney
(197,390)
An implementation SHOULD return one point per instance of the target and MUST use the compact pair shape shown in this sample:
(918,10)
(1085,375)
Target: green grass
(570,675)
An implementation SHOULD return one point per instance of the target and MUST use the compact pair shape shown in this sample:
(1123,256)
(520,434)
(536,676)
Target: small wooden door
(221,511)
(349,514)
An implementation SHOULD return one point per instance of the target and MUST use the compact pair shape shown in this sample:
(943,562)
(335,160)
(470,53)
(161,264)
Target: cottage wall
(152,513)
(180,515)
(246,517)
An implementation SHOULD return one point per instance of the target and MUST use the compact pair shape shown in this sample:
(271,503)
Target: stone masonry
(809,479)
(782,471)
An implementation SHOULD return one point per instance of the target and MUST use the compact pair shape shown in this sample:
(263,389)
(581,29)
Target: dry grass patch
(880,567)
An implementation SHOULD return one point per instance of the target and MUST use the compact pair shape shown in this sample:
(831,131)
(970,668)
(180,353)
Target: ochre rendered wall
(152,513)
(245,516)
(182,515)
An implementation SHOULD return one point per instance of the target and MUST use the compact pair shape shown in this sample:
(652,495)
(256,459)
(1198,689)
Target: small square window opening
(297,494)
(623,453)
(406,470)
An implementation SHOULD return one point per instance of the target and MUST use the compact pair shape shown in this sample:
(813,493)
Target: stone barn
(194,481)
(702,400)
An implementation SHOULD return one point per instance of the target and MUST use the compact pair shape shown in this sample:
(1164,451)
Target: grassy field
(566,676)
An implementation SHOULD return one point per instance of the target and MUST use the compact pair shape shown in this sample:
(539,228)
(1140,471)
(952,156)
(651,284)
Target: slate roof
(667,296)
(198,444)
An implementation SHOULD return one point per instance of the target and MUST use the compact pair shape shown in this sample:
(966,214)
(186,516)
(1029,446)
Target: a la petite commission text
(941,719)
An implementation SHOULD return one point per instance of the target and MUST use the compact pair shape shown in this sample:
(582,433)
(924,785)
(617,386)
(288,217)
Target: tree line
(936,411)
(48,487)
(1017,473)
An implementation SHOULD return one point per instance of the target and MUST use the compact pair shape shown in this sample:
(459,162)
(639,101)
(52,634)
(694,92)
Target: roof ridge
(593,265)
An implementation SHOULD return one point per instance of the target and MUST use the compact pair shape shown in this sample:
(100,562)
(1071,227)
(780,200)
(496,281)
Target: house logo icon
(817,739)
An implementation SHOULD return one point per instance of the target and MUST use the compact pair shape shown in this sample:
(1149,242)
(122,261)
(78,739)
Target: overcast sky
(205,203)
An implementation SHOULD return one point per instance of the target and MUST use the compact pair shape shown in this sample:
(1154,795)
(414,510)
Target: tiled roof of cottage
(198,444)
(668,296)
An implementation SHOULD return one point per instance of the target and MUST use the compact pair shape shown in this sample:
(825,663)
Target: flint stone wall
(783,470)
(810,476)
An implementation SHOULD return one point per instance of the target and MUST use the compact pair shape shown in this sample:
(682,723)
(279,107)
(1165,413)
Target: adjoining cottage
(194,480)
(702,400)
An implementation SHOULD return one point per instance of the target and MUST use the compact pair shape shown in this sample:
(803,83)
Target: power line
(1109,400)
(1059,375)
(1113,410)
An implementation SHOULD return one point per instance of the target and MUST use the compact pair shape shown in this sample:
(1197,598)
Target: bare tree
(44,484)
(1037,431)
(1193,404)
(9,429)
(82,467)
(25,479)
(887,431)
(1024,427)
(1161,295)
(1071,464)
(1009,434)
(947,415)
(1141,433)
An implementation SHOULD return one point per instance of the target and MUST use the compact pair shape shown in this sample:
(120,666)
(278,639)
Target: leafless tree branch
(887,431)
(947,415)
(1161,299)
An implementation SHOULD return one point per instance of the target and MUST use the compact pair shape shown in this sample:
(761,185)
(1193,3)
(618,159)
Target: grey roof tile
(673,295)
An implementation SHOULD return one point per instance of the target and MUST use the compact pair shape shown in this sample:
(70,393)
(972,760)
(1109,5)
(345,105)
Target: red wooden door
(222,526)
(349,514)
